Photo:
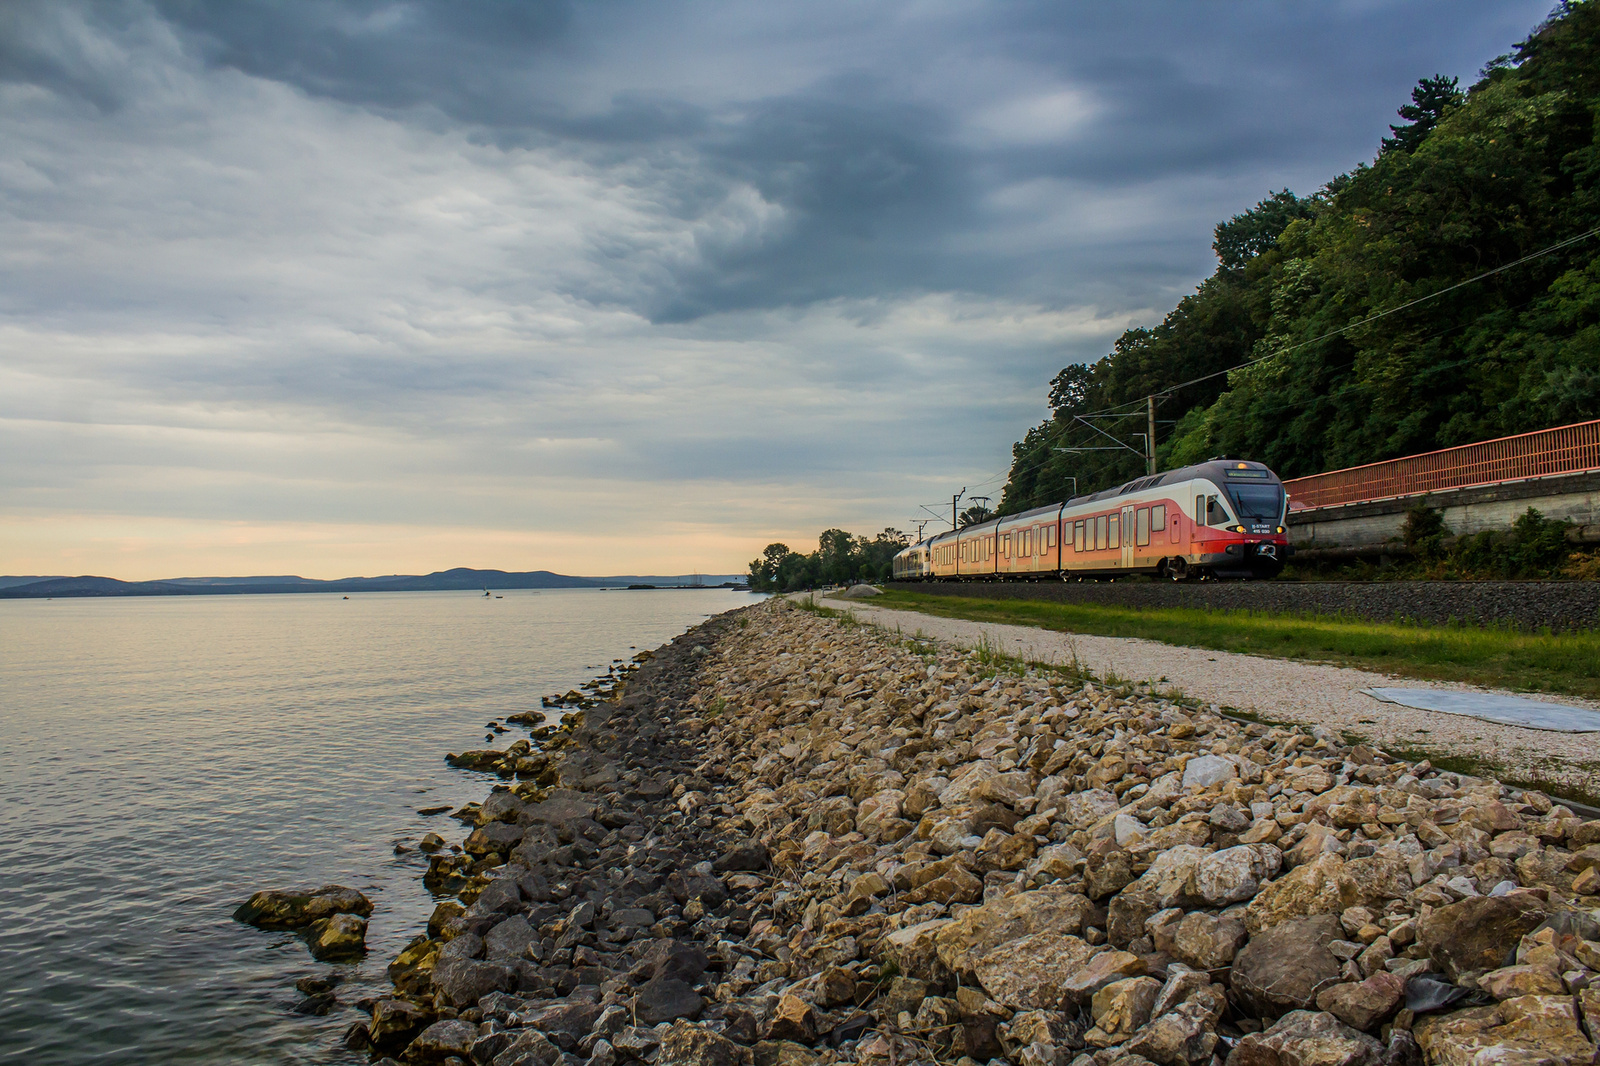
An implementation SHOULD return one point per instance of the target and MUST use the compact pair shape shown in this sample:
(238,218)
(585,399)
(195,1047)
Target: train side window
(1158,518)
(1199,510)
(1077,536)
(1116,532)
(1100,532)
(1216,514)
(1050,537)
(1144,526)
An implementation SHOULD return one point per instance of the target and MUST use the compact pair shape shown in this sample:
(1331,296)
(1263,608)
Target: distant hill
(460,578)
(7,582)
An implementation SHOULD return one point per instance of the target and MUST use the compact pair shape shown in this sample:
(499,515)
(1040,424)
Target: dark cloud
(701,259)
(461,58)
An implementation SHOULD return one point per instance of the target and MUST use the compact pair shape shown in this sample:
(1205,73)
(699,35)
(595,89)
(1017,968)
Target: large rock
(442,1040)
(665,999)
(1056,1030)
(1364,1005)
(1508,982)
(1284,968)
(496,837)
(1525,1031)
(1480,933)
(560,807)
(1207,770)
(878,809)
(914,949)
(1376,879)
(1078,985)
(1208,941)
(1320,886)
(1120,1009)
(296,910)
(1171,876)
(1177,1038)
(1108,874)
(564,1021)
(1030,973)
(1081,809)
(529,1047)
(956,885)
(980,930)
(792,1019)
(462,981)
(509,940)
(1307,1038)
(687,1044)
(342,936)
(1234,875)
(396,1022)
(679,959)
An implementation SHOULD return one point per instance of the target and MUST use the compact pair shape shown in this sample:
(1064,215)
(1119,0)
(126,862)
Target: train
(1225,518)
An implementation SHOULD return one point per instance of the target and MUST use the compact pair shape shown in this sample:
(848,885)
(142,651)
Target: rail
(1562,450)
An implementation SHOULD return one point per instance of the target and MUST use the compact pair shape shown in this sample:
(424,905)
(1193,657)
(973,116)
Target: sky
(364,286)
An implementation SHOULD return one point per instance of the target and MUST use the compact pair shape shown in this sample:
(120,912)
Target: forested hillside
(1470,181)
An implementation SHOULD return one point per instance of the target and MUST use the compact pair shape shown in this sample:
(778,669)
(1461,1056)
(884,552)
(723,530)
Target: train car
(911,564)
(1029,544)
(975,558)
(1224,518)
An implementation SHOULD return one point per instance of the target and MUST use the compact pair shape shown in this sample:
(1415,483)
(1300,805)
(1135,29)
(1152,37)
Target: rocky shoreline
(788,841)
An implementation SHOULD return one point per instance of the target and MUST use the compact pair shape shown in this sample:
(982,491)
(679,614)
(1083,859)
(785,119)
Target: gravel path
(1278,689)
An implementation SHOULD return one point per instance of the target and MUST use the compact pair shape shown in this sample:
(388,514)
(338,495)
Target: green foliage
(1243,237)
(1424,532)
(1470,182)
(839,558)
(1534,547)
(975,514)
(1429,101)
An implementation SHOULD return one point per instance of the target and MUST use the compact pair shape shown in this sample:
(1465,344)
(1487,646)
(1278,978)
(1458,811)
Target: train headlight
(1280,529)
(1237,529)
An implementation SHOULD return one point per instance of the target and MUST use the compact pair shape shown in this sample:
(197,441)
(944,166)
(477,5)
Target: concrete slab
(1493,707)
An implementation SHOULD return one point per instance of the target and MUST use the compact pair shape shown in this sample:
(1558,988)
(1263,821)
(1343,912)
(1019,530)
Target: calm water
(162,758)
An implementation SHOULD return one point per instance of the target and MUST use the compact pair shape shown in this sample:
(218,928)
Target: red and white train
(1224,518)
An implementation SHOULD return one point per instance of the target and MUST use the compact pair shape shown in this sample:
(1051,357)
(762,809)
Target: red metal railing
(1562,450)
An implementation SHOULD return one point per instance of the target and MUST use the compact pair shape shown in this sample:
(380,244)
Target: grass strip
(1564,663)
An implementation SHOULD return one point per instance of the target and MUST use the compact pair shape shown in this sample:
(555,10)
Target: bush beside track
(1560,606)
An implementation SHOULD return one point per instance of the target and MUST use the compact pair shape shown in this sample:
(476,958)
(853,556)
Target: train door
(1127,537)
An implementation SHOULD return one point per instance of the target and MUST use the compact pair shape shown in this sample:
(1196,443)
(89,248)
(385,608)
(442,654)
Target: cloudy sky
(367,286)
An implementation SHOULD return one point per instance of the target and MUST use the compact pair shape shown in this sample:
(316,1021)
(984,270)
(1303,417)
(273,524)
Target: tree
(1243,237)
(764,571)
(1070,388)
(1431,98)
(974,514)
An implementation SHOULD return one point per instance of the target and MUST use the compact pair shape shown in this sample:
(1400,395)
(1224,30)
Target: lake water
(162,758)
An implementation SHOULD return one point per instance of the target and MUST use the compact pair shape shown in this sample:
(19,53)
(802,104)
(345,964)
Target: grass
(1564,663)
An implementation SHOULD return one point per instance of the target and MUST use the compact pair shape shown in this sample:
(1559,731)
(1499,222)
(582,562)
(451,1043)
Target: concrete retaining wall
(1558,605)
(1573,497)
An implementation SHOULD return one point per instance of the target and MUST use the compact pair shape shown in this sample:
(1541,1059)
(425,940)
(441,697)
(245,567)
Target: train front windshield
(1257,504)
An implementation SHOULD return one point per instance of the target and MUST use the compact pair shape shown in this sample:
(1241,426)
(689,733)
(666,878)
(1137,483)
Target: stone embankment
(792,842)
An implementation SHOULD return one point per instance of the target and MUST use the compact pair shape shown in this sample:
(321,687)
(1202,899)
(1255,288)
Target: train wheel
(1178,569)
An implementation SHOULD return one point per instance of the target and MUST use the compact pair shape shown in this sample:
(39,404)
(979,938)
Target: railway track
(1529,605)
